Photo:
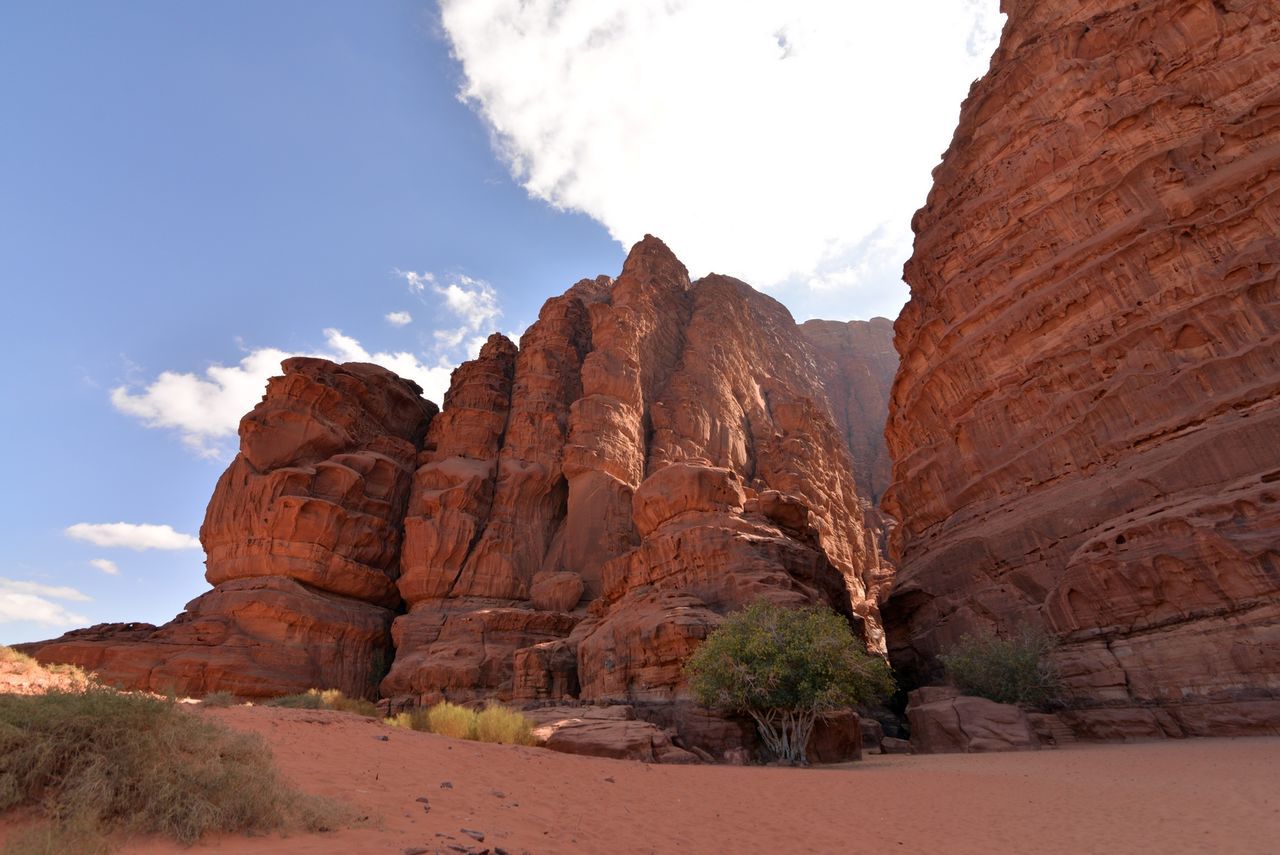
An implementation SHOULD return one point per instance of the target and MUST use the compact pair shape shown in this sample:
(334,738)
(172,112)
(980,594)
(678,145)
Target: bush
(449,719)
(785,668)
(326,699)
(98,761)
(1012,670)
(501,725)
(495,723)
(12,657)
(218,699)
(412,720)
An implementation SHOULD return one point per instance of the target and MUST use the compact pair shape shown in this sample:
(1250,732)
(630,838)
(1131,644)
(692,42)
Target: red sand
(1217,795)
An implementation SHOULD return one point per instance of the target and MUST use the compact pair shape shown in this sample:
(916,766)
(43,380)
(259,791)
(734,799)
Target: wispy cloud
(772,141)
(14,586)
(135,536)
(205,409)
(472,301)
(106,566)
(32,601)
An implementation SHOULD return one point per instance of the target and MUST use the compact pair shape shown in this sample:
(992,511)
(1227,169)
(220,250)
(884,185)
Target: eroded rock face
(303,543)
(586,508)
(1086,424)
(657,453)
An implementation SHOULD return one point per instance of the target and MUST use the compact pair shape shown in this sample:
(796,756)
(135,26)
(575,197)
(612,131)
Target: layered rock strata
(657,452)
(303,543)
(1085,426)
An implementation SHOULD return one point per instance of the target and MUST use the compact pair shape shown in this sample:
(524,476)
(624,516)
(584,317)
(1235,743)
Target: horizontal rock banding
(1086,423)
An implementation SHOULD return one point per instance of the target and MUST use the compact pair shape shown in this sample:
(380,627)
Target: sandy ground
(1202,796)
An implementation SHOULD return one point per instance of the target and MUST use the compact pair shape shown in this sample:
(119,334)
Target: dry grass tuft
(326,699)
(219,699)
(96,762)
(452,720)
(493,724)
(507,727)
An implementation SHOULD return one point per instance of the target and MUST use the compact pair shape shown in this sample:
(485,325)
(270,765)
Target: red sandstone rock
(303,539)
(1086,423)
(945,722)
(256,637)
(656,454)
(611,731)
(857,365)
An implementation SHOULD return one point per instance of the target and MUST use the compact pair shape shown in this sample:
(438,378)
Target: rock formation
(303,539)
(1085,426)
(856,364)
(656,453)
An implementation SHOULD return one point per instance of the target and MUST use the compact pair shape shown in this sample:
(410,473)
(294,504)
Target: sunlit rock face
(656,453)
(303,542)
(1085,427)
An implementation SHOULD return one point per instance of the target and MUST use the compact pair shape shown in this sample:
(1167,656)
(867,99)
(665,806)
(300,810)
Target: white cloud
(31,601)
(135,536)
(13,586)
(205,410)
(472,301)
(785,143)
(417,282)
(26,607)
(106,566)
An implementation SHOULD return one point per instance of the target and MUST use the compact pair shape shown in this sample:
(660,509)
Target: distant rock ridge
(1085,427)
(656,453)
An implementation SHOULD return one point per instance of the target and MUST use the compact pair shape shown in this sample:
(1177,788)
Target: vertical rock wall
(657,453)
(1085,426)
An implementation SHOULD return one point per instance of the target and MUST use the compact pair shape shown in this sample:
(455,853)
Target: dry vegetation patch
(97,763)
(495,723)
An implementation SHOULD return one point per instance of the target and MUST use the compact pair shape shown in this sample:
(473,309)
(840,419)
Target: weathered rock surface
(1086,423)
(946,722)
(657,452)
(610,731)
(586,508)
(303,541)
(857,364)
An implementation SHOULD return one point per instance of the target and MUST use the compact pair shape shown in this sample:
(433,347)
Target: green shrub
(325,699)
(507,727)
(1013,670)
(785,668)
(98,761)
(449,719)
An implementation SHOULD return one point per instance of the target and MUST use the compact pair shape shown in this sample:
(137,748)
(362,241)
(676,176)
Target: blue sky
(186,186)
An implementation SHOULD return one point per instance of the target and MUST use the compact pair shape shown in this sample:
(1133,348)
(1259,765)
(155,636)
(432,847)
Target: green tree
(785,668)
(1013,670)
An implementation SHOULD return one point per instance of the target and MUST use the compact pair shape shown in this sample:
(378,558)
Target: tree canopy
(785,668)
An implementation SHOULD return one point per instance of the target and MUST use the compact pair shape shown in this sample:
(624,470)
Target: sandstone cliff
(656,453)
(1086,424)
(303,543)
